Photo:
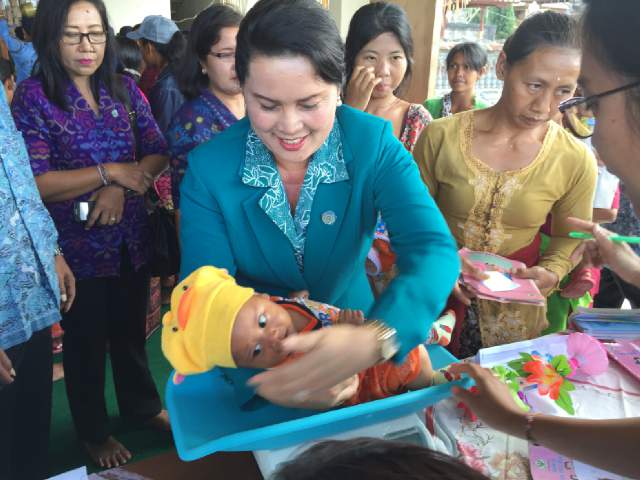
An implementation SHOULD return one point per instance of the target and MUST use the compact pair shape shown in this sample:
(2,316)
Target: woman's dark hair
(124,30)
(546,29)
(171,52)
(19,33)
(51,16)
(205,32)
(611,31)
(129,54)
(290,28)
(6,70)
(27,25)
(475,57)
(374,459)
(375,19)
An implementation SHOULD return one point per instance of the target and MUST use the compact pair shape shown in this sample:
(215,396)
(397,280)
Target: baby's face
(260,327)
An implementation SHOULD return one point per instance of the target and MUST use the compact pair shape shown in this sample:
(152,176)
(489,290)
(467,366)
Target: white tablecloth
(613,394)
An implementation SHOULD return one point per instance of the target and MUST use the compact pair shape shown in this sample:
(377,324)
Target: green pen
(613,238)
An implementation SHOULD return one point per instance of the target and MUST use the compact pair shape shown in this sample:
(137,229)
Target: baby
(215,322)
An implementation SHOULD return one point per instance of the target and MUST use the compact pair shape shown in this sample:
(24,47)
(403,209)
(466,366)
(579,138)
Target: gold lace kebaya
(502,212)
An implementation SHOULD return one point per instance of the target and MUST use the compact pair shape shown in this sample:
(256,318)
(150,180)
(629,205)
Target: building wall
(342,11)
(128,12)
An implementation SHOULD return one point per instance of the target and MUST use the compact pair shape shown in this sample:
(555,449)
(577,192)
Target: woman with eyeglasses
(610,76)
(73,116)
(496,175)
(208,80)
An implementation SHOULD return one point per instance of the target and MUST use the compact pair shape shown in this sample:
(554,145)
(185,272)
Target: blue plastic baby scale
(206,417)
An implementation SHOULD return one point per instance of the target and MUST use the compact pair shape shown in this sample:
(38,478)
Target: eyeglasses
(75,38)
(224,56)
(571,111)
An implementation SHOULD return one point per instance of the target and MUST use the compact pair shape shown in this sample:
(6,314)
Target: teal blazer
(223,225)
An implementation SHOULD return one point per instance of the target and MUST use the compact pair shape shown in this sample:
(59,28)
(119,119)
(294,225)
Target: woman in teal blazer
(241,212)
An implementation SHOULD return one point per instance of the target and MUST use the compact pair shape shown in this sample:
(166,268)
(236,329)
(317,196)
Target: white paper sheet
(499,282)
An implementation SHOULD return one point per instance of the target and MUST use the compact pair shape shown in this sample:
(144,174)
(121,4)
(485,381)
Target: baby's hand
(352,317)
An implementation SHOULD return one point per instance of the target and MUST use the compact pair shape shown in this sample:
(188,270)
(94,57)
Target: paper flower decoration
(549,377)
(586,354)
(510,378)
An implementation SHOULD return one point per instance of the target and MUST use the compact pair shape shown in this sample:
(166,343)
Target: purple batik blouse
(59,139)
(196,122)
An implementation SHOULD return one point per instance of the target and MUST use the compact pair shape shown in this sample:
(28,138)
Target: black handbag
(164,258)
(165,247)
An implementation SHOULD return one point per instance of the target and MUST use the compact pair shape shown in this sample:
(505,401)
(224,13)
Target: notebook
(501,286)
(607,323)
(627,354)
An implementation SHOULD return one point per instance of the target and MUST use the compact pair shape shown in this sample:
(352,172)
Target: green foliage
(504,19)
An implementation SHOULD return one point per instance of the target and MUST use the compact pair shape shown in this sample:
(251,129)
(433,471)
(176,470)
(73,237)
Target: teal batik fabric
(326,166)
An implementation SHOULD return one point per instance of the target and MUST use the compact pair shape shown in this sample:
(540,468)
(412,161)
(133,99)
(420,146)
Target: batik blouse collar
(216,105)
(327,165)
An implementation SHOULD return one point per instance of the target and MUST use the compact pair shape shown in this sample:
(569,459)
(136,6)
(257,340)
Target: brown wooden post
(426,17)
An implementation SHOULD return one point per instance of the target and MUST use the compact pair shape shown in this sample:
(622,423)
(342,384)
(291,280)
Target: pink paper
(627,354)
(525,290)
(548,465)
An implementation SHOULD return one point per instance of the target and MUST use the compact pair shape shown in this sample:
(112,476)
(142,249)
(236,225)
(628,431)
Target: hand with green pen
(605,248)
(613,238)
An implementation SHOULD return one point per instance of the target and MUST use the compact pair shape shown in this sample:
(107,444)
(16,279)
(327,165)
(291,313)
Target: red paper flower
(545,376)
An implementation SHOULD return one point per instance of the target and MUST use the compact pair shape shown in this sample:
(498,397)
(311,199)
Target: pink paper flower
(586,354)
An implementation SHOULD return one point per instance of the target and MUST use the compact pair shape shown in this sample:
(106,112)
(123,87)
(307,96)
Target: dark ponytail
(291,27)
(547,29)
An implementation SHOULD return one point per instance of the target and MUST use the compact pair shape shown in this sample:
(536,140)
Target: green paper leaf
(561,365)
(518,366)
(526,357)
(567,386)
(564,402)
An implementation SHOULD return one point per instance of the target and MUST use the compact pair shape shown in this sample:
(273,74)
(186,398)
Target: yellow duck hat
(196,332)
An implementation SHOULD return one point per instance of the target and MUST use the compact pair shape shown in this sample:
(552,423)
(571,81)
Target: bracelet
(529,427)
(57,252)
(103,174)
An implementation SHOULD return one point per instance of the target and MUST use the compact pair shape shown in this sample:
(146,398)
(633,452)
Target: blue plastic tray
(206,418)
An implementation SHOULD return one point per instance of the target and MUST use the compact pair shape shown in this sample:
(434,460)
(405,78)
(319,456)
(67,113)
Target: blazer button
(329,217)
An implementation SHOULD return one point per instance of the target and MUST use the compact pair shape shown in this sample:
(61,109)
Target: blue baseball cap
(155,28)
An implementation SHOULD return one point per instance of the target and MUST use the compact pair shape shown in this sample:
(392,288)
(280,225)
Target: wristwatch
(387,339)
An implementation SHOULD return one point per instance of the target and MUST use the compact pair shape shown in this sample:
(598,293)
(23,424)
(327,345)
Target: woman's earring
(204,71)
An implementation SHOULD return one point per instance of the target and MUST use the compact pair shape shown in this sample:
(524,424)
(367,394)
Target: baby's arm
(425,377)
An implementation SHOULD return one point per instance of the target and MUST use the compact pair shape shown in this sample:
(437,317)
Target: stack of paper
(500,285)
(608,323)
